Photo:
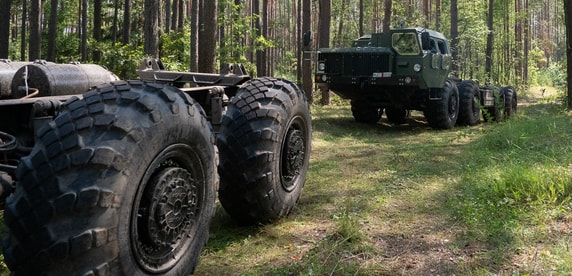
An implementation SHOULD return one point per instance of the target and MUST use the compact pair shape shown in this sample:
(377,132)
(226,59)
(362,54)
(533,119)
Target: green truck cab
(405,69)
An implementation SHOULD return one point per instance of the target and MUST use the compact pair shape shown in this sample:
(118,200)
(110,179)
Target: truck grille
(367,64)
(334,62)
(357,64)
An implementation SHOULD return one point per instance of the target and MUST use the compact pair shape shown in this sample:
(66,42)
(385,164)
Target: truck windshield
(405,44)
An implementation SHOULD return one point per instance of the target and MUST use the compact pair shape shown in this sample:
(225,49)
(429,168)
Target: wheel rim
(293,156)
(166,208)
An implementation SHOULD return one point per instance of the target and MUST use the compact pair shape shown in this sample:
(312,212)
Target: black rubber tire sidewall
(364,112)
(397,116)
(85,190)
(469,109)
(251,140)
(510,101)
(443,113)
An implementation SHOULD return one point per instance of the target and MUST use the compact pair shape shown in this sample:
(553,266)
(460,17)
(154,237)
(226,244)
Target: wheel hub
(165,217)
(293,156)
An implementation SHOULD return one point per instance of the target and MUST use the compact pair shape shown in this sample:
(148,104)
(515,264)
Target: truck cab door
(440,59)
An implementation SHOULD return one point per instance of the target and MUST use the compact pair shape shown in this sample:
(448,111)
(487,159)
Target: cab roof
(420,30)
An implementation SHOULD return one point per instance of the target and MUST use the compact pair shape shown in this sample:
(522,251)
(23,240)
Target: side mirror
(425,41)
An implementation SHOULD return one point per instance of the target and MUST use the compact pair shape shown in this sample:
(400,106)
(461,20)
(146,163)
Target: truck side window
(443,47)
(433,47)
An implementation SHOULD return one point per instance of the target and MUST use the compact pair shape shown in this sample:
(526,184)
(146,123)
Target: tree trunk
(151,28)
(23,35)
(258,28)
(52,31)
(83,44)
(307,61)
(5,27)
(376,19)
(490,41)
(168,16)
(126,22)
(360,18)
(97,28)
(387,16)
(438,15)
(526,41)
(271,52)
(263,69)
(207,36)
(115,20)
(194,62)
(568,19)
(299,42)
(175,16)
(194,66)
(519,42)
(426,12)
(324,41)
(181,21)
(14,29)
(338,41)
(35,45)
(454,36)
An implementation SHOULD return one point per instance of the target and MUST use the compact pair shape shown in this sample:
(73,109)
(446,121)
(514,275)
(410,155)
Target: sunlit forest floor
(408,200)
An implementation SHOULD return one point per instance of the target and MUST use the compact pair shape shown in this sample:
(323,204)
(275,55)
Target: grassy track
(409,200)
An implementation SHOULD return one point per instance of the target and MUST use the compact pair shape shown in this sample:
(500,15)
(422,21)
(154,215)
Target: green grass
(516,192)
(403,200)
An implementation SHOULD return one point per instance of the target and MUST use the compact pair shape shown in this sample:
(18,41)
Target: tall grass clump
(516,170)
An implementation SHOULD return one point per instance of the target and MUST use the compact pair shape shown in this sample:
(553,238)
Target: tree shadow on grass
(421,235)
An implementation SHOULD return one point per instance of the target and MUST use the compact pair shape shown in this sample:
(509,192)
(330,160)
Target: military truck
(408,69)
(122,179)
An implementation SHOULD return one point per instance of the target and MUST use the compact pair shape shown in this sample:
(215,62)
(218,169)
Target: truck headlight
(417,67)
(321,66)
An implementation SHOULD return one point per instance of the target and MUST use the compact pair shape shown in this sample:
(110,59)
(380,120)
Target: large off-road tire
(364,112)
(397,116)
(443,113)
(510,103)
(264,144)
(514,102)
(122,182)
(469,107)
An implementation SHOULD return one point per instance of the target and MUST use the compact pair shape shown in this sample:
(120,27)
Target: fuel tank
(7,70)
(54,79)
